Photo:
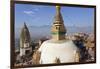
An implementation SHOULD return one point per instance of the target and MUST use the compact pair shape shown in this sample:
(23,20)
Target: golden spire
(58,29)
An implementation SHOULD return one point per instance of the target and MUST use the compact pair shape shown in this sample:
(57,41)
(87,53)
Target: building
(58,49)
(25,46)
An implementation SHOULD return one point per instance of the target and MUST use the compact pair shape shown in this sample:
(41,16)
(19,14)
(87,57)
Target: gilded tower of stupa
(58,29)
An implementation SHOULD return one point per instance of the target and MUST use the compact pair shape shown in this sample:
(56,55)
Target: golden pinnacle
(58,7)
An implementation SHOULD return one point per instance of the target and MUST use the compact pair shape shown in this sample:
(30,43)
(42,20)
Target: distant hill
(37,32)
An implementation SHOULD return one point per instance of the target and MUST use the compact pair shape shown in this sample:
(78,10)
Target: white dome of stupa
(64,50)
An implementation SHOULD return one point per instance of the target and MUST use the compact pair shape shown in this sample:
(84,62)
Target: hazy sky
(38,15)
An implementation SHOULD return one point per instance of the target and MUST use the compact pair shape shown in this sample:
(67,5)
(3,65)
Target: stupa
(58,49)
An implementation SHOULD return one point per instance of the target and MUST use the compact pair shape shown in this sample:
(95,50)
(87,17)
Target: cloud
(29,12)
